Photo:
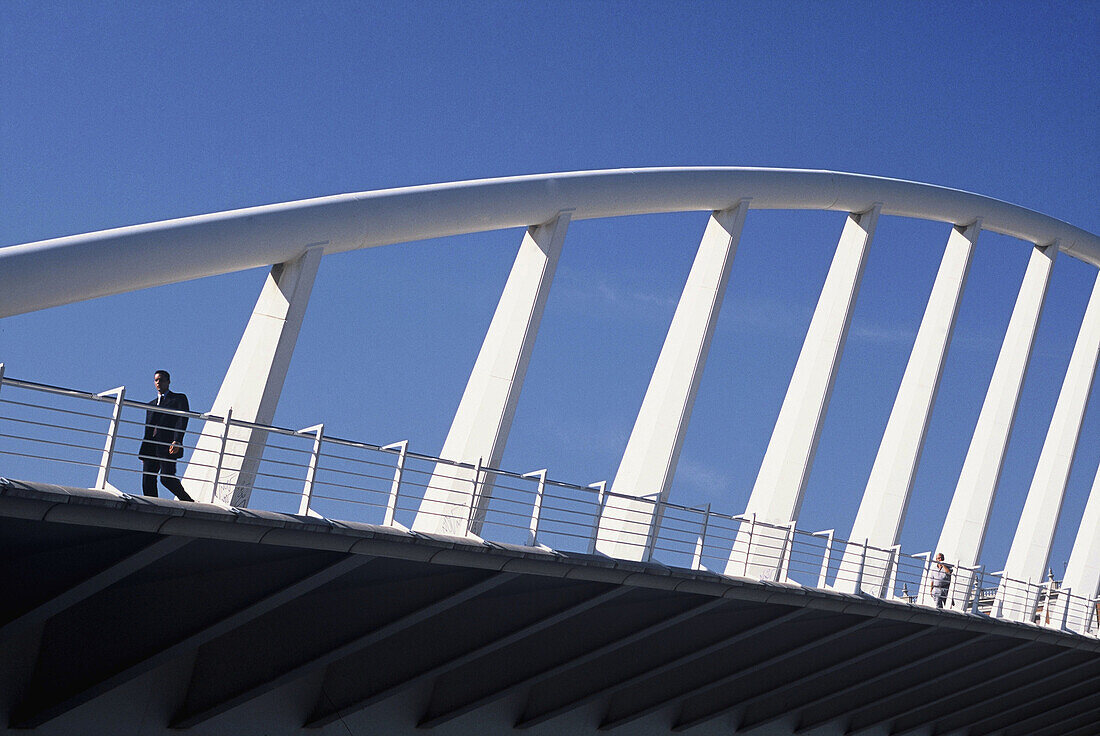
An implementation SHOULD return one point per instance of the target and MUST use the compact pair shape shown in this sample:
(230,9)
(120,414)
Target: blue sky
(113,114)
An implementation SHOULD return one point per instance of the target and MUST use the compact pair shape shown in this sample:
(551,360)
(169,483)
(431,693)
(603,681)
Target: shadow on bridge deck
(134,615)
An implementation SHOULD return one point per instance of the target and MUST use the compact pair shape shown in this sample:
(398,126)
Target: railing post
(1046,603)
(311,472)
(781,566)
(653,530)
(748,547)
(701,541)
(823,576)
(536,509)
(1092,612)
(1027,608)
(977,573)
(601,499)
(953,585)
(1030,608)
(923,575)
(474,496)
(999,598)
(1064,595)
(221,456)
(862,563)
(889,581)
(112,435)
(979,578)
(395,488)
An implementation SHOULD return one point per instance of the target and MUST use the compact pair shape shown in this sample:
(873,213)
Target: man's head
(161,379)
(939,557)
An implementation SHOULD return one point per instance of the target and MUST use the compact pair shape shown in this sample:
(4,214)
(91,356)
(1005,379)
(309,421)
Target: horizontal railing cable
(358,481)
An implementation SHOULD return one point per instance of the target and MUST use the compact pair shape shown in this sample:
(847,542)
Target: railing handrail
(588,490)
(785,544)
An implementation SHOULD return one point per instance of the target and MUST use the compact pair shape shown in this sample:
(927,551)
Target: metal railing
(91,440)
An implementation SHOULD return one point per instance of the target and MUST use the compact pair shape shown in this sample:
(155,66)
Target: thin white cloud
(714,483)
(882,334)
(623,299)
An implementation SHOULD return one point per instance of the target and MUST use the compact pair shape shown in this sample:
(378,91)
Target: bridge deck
(144,615)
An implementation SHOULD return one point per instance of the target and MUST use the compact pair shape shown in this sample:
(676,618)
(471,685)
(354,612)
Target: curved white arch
(74,268)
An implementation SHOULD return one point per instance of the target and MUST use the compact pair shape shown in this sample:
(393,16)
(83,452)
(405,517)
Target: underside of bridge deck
(130,615)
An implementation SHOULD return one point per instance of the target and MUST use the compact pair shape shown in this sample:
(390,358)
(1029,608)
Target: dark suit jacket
(163,429)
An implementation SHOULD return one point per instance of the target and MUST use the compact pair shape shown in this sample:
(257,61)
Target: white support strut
(964,529)
(886,497)
(480,427)
(1031,544)
(224,463)
(1083,568)
(781,482)
(649,461)
(252,385)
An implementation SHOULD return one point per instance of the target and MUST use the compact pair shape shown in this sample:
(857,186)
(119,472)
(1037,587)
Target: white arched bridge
(330,583)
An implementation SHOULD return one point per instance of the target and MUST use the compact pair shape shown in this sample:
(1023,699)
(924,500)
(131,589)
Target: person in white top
(940,581)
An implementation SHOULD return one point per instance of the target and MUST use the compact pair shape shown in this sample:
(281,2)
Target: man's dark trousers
(161,430)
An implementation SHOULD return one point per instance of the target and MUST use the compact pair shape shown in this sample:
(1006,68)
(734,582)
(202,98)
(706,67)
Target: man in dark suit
(163,441)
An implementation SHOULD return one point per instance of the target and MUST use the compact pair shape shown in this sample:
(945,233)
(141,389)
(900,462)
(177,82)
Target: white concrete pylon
(1030,551)
(1083,569)
(649,461)
(886,497)
(252,385)
(480,427)
(781,482)
(967,519)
